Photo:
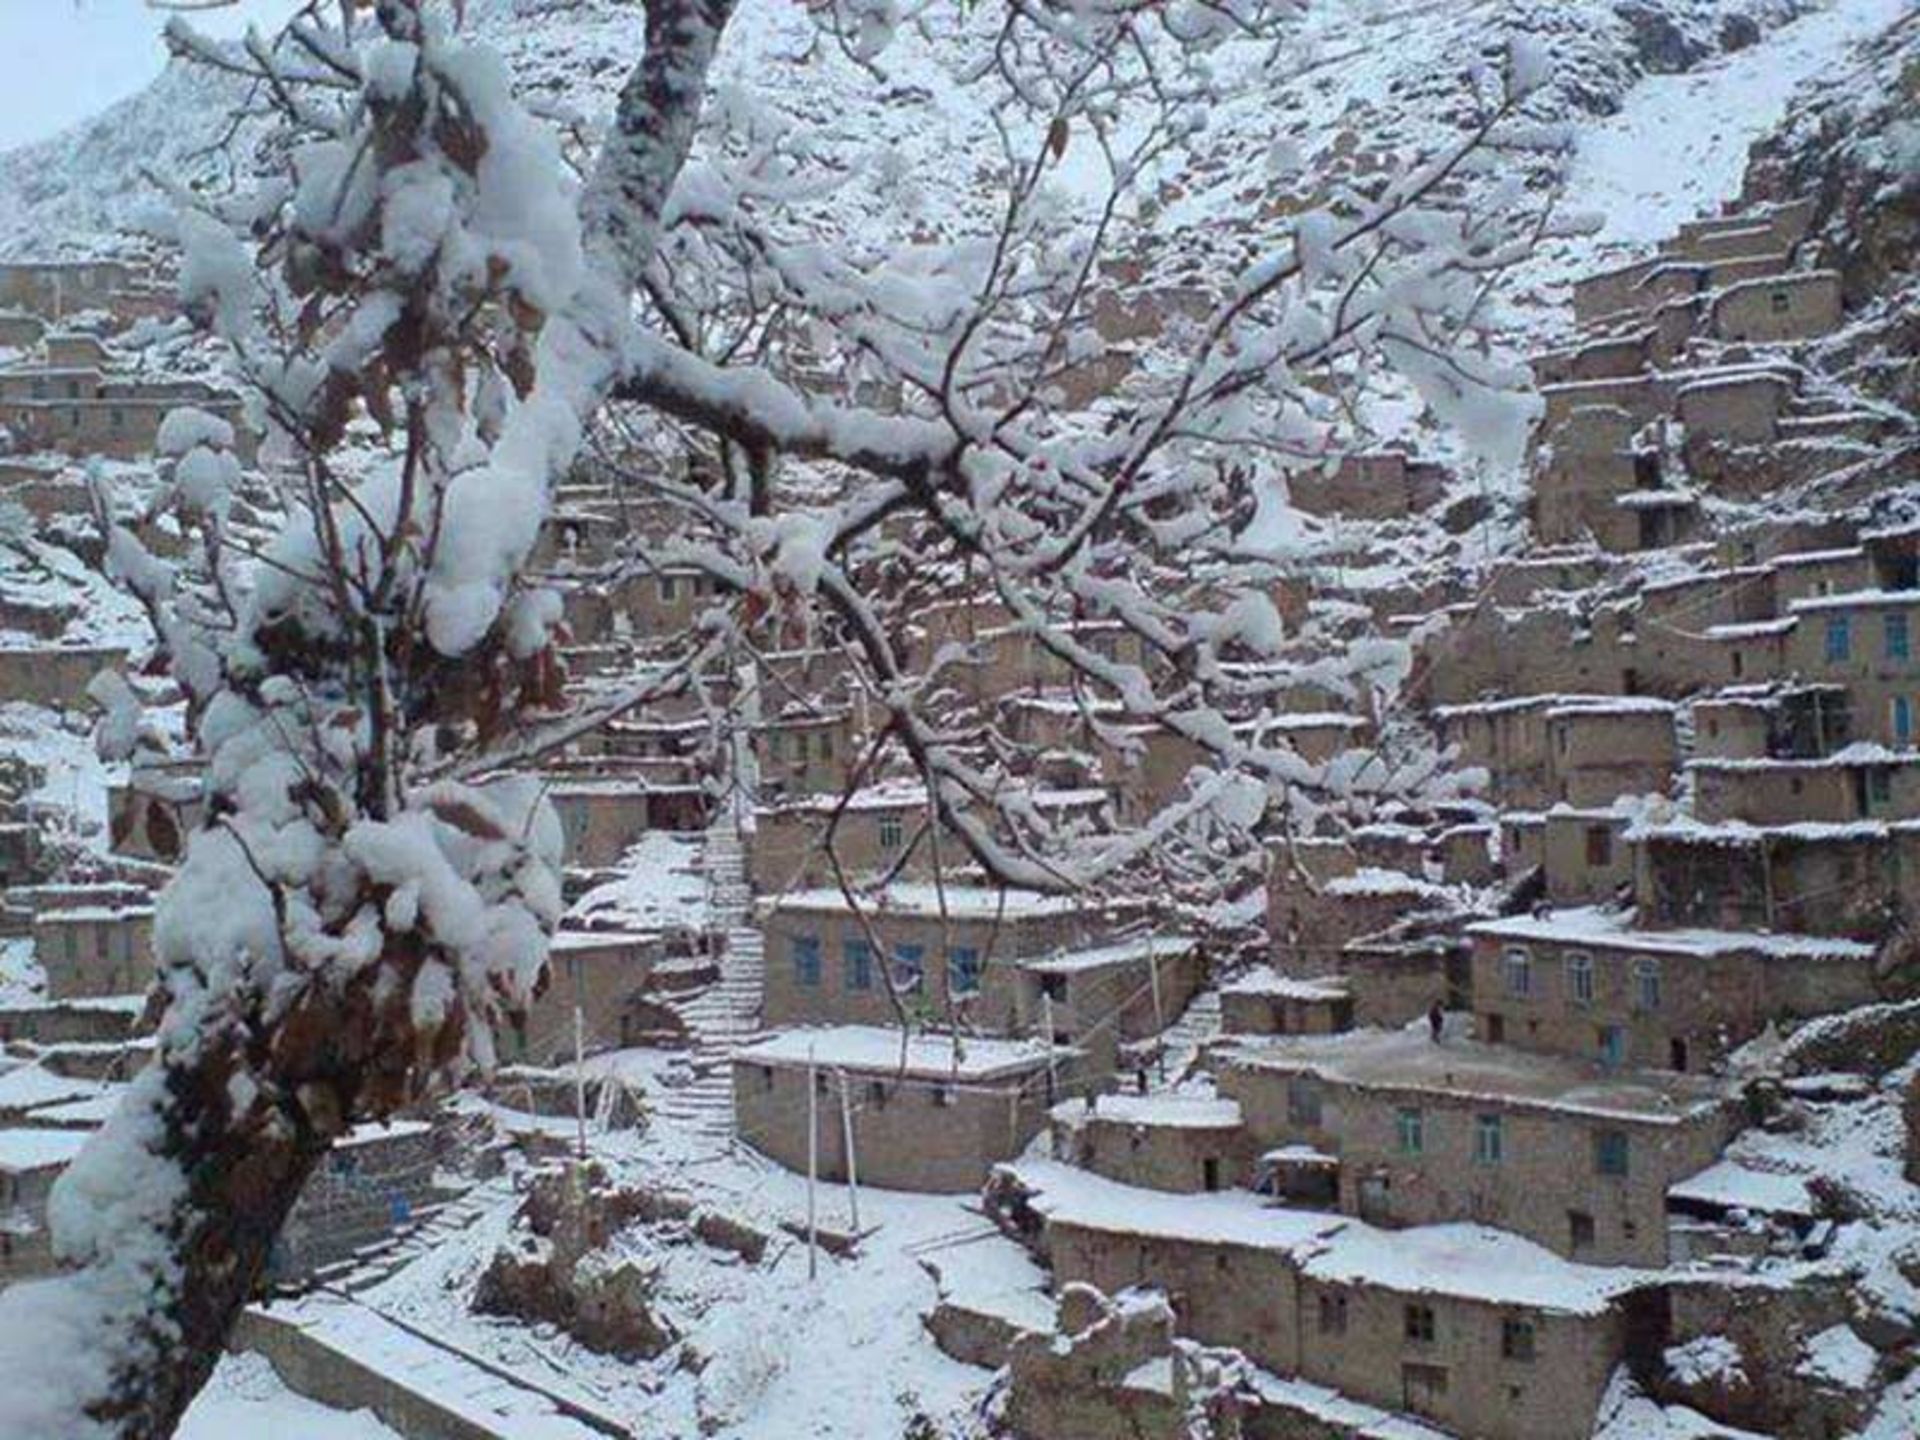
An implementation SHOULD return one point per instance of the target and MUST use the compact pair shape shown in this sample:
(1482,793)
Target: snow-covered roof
(1730,1185)
(1751,629)
(39,1149)
(1283,987)
(876,1049)
(1460,1069)
(921,899)
(1173,1112)
(1853,599)
(1468,1262)
(1119,952)
(1612,930)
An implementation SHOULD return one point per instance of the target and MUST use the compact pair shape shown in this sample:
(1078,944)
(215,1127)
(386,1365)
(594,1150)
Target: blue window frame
(806,960)
(1611,1150)
(963,969)
(1902,708)
(1613,1045)
(1839,638)
(909,966)
(859,963)
(1899,642)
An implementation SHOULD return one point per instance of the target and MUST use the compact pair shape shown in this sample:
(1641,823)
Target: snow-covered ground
(246,1401)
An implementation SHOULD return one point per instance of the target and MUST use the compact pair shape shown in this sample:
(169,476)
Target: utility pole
(853,1164)
(1159,1007)
(1046,1022)
(813,1164)
(580,1077)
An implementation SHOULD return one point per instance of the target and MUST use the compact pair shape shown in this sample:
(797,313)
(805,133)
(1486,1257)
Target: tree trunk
(244,1172)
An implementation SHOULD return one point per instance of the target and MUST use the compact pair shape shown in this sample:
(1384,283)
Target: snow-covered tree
(436,302)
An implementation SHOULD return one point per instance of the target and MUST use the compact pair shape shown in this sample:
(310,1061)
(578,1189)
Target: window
(1579,1231)
(877,1094)
(943,1096)
(890,836)
(1580,979)
(963,970)
(909,966)
(1519,972)
(1613,1045)
(1419,1324)
(1610,1149)
(1516,1340)
(806,960)
(773,744)
(1901,714)
(1646,984)
(1489,1140)
(1411,1126)
(1496,1029)
(766,1077)
(1333,1314)
(669,588)
(1898,644)
(1599,846)
(1303,1100)
(859,963)
(1880,784)
(823,744)
(1780,300)
(1839,639)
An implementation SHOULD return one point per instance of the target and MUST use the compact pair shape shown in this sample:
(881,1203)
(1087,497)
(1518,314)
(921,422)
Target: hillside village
(1579,1098)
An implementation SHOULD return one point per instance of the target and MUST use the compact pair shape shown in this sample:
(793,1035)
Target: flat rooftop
(1605,929)
(1470,1262)
(1460,1069)
(927,901)
(878,1051)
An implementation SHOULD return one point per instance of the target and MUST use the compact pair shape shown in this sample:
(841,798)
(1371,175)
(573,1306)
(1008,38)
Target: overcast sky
(63,60)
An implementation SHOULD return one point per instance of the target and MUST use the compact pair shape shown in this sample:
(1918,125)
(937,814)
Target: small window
(1899,644)
(766,1077)
(1599,846)
(1489,1139)
(1303,1100)
(859,963)
(1839,639)
(1880,784)
(1579,1231)
(963,970)
(1613,1046)
(943,1096)
(909,967)
(1781,301)
(877,1094)
(890,833)
(1519,973)
(1610,1150)
(1580,979)
(1411,1128)
(1646,984)
(806,961)
(1516,1340)
(773,744)
(1900,710)
(1333,1314)
(1419,1324)
(669,588)
(1496,1029)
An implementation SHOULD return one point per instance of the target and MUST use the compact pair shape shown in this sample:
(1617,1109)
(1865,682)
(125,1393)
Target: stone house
(881,828)
(119,419)
(90,950)
(1584,854)
(1763,230)
(806,752)
(1586,750)
(1315,736)
(1422,1133)
(1592,462)
(1584,983)
(1311,922)
(53,289)
(1807,878)
(1179,1143)
(1781,722)
(19,330)
(1377,485)
(1861,782)
(1779,308)
(1004,968)
(927,1113)
(55,676)
(605,974)
(577,537)
(602,818)
(1263,1002)
(1864,640)
(1479,1332)
(30,1161)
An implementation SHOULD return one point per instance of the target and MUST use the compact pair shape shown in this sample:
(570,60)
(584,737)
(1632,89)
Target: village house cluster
(1448,1138)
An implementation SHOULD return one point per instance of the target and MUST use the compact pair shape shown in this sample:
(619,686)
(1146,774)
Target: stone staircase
(727,1013)
(1199,1023)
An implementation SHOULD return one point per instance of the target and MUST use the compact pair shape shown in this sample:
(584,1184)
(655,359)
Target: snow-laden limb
(347,933)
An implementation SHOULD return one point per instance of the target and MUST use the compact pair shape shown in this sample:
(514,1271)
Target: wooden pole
(580,1078)
(1159,1007)
(853,1163)
(1046,1021)
(813,1164)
